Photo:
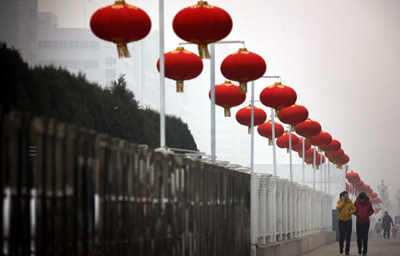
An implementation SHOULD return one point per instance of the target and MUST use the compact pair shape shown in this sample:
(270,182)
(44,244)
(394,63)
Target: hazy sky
(342,57)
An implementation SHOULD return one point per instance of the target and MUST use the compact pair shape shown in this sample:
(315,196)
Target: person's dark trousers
(345,234)
(362,237)
(386,233)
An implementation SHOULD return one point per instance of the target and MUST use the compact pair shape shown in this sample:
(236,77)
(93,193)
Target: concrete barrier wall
(297,246)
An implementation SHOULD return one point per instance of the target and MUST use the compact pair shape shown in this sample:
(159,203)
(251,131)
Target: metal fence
(286,210)
(69,191)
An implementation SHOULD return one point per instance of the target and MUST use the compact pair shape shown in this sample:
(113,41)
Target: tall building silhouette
(18,19)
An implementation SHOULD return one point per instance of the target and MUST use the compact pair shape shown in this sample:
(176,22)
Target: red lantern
(358,185)
(377,209)
(336,155)
(342,161)
(227,95)
(352,177)
(278,96)
(120,23)
(299,147)
(181,65)
(243,116)
(308,129)
(202,24)
(322,139)
(373,195)
(243,66)
(309,155)
(293,115)
(283,141)
(265,130)
(331,147)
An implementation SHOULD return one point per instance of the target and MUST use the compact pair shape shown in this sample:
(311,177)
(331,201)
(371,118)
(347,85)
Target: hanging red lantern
(308,129)
(243,116)
(352,177)
(331,147)
(322,139)
(283,141)
(373,195)
(181,65)
(342,161)
(299,147)
(309,155)
(243,66)
(202,24)
(265,130)
(336,155)
(278,96)
(377,209)
(120,23)
(358,184)
(227,95)
(293,115)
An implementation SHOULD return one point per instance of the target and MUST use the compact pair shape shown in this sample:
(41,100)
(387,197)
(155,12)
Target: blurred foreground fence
(70,191)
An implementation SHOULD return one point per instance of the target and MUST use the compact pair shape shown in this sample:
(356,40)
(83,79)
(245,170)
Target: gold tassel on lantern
(242,87)
(300,154)
(179,86)
(123,50)
(249,130)
(227,112)
(287,150)
(203,52)
(269,142)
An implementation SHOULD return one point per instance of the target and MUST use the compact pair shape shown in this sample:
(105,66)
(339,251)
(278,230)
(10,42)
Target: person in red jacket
(364,210)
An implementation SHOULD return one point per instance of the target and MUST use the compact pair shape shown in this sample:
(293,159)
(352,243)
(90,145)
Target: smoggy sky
(342,57)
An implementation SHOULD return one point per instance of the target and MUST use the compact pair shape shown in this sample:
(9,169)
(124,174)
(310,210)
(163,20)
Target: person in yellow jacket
(346,208)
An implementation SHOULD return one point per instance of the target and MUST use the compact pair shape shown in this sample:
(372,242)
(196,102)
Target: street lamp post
(162,74)
(212,90)
(272,123)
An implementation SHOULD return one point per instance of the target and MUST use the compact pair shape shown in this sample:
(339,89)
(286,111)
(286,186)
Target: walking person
(386,225)
(378,229)
(346,208)
(364,210)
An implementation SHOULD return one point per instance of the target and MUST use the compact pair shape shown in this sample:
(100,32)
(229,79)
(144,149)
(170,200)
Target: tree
(54,92)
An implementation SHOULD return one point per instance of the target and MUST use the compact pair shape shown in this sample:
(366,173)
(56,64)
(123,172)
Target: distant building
(79,49)
(18,19)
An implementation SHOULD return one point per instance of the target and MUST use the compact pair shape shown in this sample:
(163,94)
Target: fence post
(254,213)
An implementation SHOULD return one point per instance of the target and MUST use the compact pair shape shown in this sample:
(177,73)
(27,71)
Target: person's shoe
(359,251)
(341,251)
(347,253)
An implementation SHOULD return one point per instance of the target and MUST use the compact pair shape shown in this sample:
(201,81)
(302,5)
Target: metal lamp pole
(162,73)
(212,89)
(272,123)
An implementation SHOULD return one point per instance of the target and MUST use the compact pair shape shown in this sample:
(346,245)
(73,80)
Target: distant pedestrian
(378,229)
(364,210)
(346,208)
(386,225)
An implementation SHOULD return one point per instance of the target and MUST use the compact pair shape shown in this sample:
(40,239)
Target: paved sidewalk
(376,247)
